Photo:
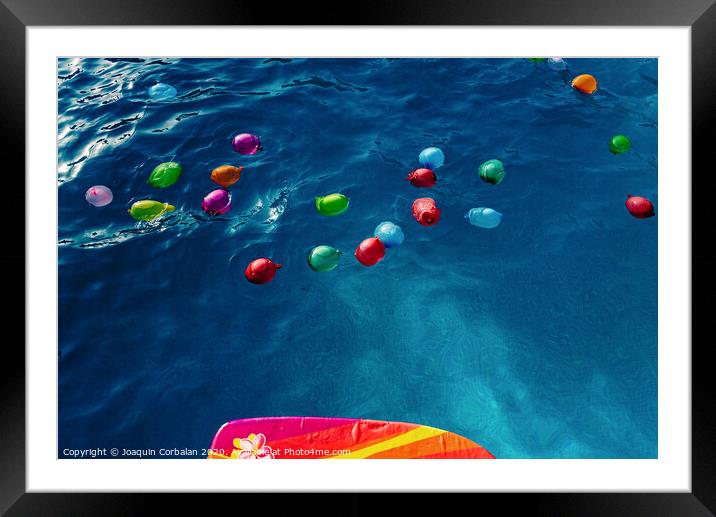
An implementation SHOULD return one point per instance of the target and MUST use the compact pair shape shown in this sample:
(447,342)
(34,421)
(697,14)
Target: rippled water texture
(537,339)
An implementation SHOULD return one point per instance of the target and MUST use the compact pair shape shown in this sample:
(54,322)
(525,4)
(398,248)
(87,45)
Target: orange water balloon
(585,83)
(226,175)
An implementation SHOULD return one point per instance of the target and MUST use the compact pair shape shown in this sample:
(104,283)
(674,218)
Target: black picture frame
(700,15)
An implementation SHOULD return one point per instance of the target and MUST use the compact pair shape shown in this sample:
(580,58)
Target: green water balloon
(148,209)
(619,144)
(165,175)
(332,204)
(324,258)
(492,172)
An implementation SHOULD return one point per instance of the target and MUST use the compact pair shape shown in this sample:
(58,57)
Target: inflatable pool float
(338,438)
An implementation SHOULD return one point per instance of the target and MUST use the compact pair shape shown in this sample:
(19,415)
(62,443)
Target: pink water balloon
(99,195)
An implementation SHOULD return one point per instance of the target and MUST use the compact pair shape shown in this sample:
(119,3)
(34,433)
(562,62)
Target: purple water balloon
(99,195)
(217,202)
(246,144)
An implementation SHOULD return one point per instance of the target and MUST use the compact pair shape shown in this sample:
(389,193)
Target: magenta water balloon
(246,143)
(217,202)
(99,195)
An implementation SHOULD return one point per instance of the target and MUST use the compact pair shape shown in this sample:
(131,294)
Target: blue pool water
(537,339)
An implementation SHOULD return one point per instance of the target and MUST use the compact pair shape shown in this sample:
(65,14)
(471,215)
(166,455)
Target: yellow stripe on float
(413,435)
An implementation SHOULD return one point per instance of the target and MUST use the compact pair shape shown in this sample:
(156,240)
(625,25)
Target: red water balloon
(639,207)
(426,211)
(422,178)
(370,251)
(261,270)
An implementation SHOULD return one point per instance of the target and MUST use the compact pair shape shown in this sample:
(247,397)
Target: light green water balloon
(323,258)
(148,209)
(165,175)
(332,204)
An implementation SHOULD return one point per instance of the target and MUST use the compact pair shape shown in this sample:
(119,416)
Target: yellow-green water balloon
(148,209)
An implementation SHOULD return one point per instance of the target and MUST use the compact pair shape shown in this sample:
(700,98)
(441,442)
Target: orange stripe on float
(434,445)
(420,433)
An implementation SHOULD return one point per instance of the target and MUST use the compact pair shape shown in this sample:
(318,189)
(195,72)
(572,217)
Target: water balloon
(246,143)
(217,202)
(165,175)
(261,270)
(484,217)
(370,251)
(148,209)
(99,195)
(332,204)
(391,235)
(492,172)
(324,258)
(431,158)
(425,211)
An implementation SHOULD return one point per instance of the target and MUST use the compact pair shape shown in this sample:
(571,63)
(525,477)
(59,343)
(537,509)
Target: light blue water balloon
(391,235)
(162,92)
(484,217)
(431,158)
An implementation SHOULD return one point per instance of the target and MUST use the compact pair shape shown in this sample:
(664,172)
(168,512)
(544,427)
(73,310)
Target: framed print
(431,243)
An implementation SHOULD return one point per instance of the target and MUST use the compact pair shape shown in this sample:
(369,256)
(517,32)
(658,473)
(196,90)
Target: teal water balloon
(492,172)
(484,217)
(324,258)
